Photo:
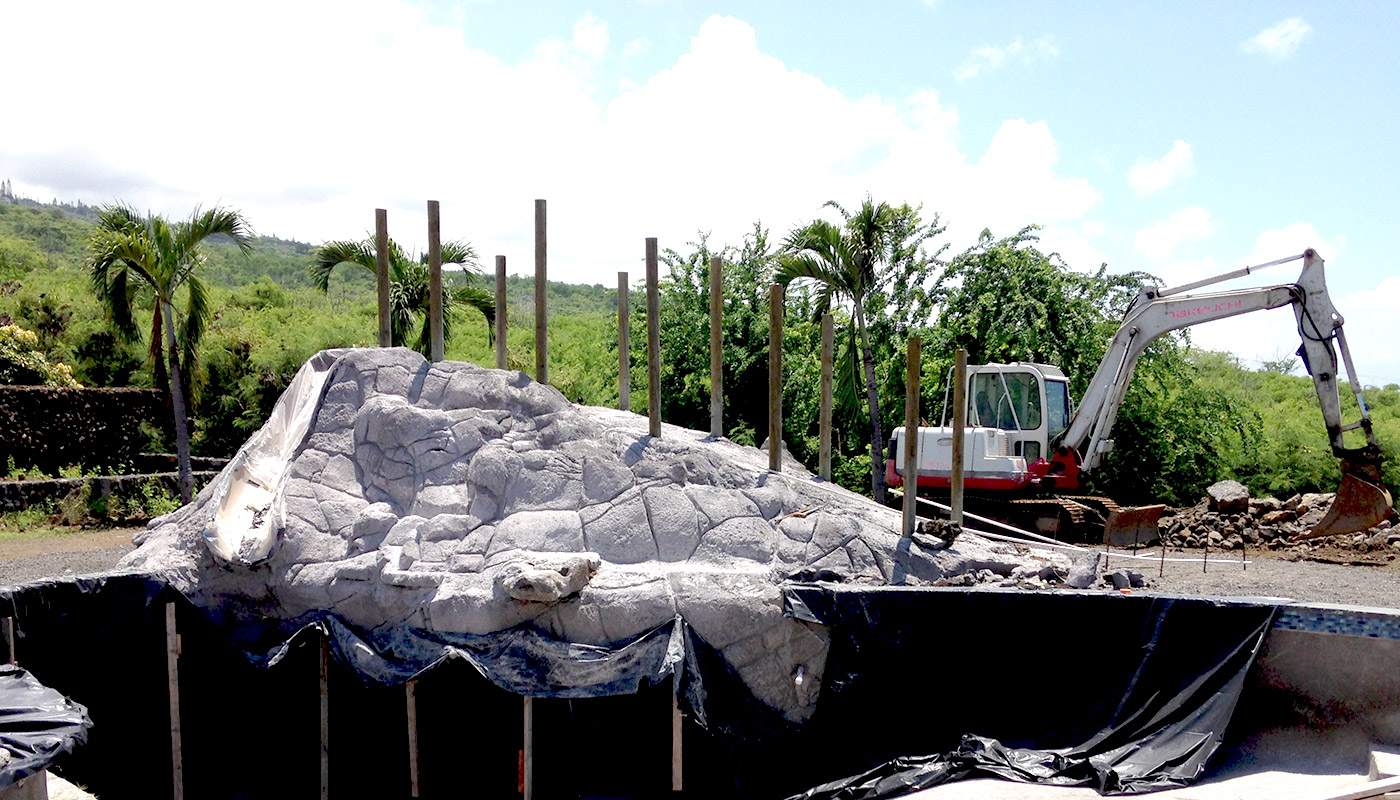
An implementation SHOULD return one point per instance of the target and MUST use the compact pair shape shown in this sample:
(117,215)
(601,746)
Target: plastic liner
(1166,718)
(249,507)
(37,724)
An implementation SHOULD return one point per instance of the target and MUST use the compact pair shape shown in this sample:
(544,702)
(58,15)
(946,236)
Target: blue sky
(1183,139)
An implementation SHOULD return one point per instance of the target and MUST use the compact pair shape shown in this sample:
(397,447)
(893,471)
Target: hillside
(1191,417)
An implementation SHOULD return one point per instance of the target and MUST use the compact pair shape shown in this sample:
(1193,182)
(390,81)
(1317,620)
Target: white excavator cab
(1029,401)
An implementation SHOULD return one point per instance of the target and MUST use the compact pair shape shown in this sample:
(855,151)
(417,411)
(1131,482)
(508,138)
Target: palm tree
(848,263)
(130,256)
(408,286)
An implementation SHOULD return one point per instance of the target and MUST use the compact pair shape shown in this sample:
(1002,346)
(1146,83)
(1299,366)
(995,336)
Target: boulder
(1228,497)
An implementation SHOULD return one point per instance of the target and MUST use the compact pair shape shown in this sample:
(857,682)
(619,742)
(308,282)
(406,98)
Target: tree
(408,286)
(877,251)
(23,363)
(131,257)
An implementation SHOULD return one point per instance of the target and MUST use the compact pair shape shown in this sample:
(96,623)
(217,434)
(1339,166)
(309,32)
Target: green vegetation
(134,260)
(1190,418)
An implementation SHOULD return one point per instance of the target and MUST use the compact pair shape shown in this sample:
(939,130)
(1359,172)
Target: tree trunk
(177,402)
(877,439)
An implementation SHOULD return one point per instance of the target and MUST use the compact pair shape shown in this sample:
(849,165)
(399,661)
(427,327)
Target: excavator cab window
(1006,400)
(1057,407)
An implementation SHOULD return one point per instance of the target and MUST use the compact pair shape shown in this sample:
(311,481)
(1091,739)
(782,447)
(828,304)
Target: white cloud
(1280,41)
(358,127)
(1152,176)
(1187,225)
(1384,296)
(634,48)
(989,58)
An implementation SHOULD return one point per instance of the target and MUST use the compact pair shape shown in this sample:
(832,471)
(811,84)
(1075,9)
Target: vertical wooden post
(172,671)
(323,669)
(541,296)
(828,362)
(624,344)
(9,630)
(527,768)
(653,339)
(411,696)
(911,435)
(955,515)
(775,378)
(716,347)
(501,329)
(381,259)
(676,730)
(435,344)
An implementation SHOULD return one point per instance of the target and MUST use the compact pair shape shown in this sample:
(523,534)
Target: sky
(1180,139)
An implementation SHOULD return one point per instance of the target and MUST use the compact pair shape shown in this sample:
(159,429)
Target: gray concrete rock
(465,500)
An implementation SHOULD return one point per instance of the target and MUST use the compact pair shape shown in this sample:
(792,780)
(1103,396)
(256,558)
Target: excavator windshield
(1006,400)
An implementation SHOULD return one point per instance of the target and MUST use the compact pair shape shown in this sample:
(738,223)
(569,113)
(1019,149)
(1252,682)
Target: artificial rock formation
(452,498)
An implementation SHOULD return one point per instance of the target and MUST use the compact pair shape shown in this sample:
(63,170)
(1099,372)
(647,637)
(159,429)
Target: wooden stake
(172,672)
(541,299)
(716,347)
(323,668)
(955,515)
(528,768)
(9,630)
(435,343)
(381,258)
(828,362)
(911,435)
(411,695)
(676,731)
(653,339)
(501,329)
(624,344)
(775,377)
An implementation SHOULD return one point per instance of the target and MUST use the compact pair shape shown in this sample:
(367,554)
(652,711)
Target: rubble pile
(1227,518)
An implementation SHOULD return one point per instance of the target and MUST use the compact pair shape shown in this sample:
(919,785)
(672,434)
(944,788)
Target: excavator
(1027,449)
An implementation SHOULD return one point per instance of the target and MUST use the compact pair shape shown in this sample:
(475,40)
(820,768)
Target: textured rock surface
(459,499)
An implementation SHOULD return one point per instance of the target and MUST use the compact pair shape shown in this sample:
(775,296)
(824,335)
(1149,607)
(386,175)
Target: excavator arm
(1361,501)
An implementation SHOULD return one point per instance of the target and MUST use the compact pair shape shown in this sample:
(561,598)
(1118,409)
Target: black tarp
(1172,671)
(37,724)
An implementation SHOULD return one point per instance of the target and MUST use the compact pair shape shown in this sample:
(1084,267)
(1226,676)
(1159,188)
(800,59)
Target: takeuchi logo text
(1224,305)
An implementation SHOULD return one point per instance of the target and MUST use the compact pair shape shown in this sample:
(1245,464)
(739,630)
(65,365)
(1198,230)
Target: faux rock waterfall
(393,494)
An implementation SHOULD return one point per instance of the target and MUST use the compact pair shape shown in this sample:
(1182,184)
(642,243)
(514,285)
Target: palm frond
(330,255)
(461,252)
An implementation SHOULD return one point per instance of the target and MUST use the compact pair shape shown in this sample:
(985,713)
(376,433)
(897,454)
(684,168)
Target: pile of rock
(1227,518)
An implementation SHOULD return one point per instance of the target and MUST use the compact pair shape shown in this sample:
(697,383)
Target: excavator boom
(1361,499)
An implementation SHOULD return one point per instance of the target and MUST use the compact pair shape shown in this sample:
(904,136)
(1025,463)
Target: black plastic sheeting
(1169,710)
(909,671)
(37,724)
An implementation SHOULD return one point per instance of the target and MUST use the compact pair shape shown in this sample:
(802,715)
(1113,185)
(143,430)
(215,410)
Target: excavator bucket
(1132,527)
(1359,505)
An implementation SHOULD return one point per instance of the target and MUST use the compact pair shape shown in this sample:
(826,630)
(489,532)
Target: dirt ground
(1325,575)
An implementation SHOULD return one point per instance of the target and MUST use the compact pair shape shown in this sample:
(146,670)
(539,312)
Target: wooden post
(828,361)
(541,297)
(676,731)
(775,378)
(653,339)
(501,329)
(527,768)
(716,347)
(9,629)
(172,672)
(323,668)
(955,514)
(381,258)
(411,696)
(911,435)
(624,344)
(435,343)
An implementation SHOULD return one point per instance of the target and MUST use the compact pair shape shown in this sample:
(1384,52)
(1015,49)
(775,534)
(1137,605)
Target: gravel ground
(1267,574)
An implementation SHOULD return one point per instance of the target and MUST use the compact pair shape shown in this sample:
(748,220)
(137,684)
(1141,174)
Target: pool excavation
(434,579)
